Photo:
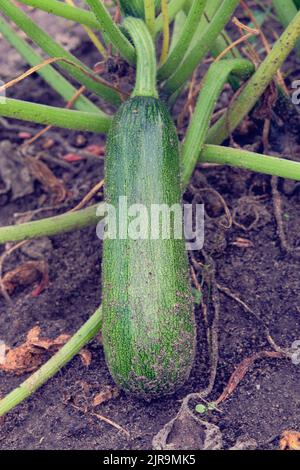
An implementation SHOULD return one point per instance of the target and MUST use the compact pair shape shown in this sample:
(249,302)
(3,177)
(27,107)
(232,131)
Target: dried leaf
(30,355)
(290,440)
(242,370)
(98,150)
(44,175)
(86,357)
(26,274)
(106,394)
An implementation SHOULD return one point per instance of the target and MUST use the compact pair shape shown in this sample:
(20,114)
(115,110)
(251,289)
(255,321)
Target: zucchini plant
(147,316)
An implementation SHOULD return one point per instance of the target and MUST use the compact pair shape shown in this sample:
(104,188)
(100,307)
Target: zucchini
(136,7)
(148,320)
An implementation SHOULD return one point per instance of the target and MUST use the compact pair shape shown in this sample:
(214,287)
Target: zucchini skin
(148,319)
(136,7)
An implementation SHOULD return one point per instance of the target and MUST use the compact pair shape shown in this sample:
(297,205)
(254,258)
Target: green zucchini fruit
(136,7)
(148,319)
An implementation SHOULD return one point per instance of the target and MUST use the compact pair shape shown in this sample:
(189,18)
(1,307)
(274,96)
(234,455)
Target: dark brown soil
(264,404)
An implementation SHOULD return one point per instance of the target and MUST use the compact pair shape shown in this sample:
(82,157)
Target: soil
(258,271)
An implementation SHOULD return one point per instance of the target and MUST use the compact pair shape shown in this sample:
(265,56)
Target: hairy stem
(59,117)
(286,10)
(53,49)
(251,161)
(173,8)
(49,74)
(111,30)
(87,332)
(185,39)
(257,84)
(149,6)
(145,84)
(213,84)
(202,46)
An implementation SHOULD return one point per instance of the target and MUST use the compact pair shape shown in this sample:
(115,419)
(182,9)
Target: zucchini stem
(201,47)
(173,8)
(87,332)
(53,49)
(59,117)
(257,84)
(184,41)
(113,32)
(49,74)
(215,79)
(149,6)
(145,84)
(257,162)
(50,226)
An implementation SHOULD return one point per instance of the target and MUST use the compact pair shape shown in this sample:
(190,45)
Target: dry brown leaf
(106,394)
(30,355)
(242,370)
(44,175)
(26,274)
(290,440)
(86,357)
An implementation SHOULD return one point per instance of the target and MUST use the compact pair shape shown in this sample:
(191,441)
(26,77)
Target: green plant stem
(87,332)
(251,161)
(201,48)
(59,117)
(51,225)
(49,74)
(58,8)
(145,84)
(179,22)
(53,49)
(286,10)
(213,84)
(257,84)
(112,31)
(173,8)
(177,54)
(149,6)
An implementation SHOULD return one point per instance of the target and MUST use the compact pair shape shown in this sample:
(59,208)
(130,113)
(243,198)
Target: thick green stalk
(87,332)
(53,49)
(251,161)
(179,22)
(214,82)
(286,10)
(51,225)
(257,84)
(58,8)
(145,84)
(149,6)
(59,117)
(201,48)
(173,8)
(177,54)
(49,74)
(112,31)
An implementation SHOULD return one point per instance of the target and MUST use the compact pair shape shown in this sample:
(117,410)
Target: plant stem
(286,10)
(173,8)
(145,84)
(203,45)
(50,226)
(58,8)
(49,74)
(53,49)
(87,332)
(112,31)
(166,32)
(213,84)
(182,45)
(257,84)
(59,117)
(149,6)
(251,161)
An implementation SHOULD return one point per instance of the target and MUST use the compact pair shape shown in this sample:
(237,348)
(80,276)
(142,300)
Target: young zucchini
(148,321)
